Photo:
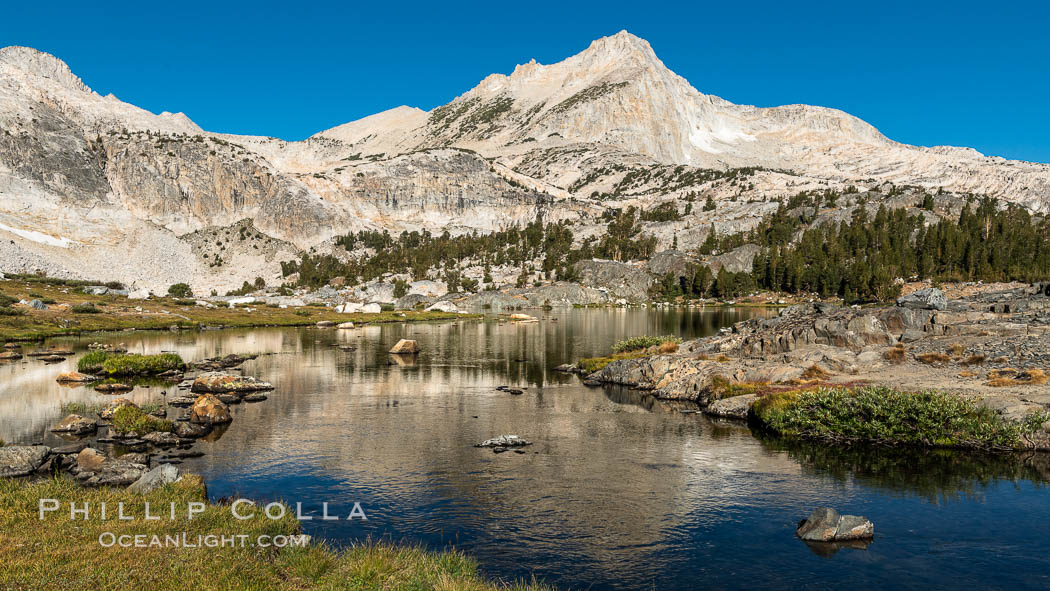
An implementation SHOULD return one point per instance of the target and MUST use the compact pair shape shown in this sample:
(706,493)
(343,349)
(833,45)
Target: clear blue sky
(962,73)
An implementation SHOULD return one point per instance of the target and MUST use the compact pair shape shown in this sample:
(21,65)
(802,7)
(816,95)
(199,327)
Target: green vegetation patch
(131,419)
(884,415)
(129,364)
(636,343)
(593,364)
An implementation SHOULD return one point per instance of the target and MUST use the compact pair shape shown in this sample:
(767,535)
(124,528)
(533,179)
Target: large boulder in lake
(21,460)
(405,346)
(209,410)
(825,524)
(216,382)
(930,298)
(75,424)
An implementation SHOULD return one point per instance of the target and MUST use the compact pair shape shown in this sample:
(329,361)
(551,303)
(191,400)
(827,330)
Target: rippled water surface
(619,490)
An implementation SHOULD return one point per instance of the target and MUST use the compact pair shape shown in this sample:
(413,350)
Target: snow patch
(39,237)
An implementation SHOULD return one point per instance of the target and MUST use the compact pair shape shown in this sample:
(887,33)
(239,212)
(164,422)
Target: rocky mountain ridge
(93,186)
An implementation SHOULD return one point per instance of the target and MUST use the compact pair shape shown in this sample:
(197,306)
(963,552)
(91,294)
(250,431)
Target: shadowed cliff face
(53,152)
(186,182)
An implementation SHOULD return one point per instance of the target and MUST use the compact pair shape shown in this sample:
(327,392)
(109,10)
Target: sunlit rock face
(93,186)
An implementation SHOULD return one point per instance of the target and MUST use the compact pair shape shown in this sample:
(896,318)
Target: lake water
(619,491)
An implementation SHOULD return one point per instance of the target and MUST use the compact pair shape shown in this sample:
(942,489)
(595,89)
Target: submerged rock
(825,524)
(111,388)
(504,441)
(21,460)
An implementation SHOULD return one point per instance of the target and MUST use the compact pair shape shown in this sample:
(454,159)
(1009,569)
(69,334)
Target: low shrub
(92,362)
(180,290)
(894,354)
(1001,378)
(85,308)
(722,387)
(884,415)
(593,364)
(637,343)
(131,419)
(815,372)
(933,358)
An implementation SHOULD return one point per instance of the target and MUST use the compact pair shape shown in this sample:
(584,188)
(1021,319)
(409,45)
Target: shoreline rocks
(75,424)
(21,460)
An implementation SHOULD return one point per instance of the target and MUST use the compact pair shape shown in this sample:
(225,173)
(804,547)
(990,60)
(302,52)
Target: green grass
(92,362)
(130,419)
(636,343)
(118,313)
(884,415)
(59,553)
(129,364)
(85,308)
(593,364)
(80,408)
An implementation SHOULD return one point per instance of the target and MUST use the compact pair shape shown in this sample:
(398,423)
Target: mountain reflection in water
(619,490)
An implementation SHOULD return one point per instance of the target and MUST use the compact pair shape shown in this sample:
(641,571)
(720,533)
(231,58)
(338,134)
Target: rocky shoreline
(990,347)
(127,446)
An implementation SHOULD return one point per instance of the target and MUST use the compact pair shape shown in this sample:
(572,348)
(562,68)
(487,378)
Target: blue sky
(927,73)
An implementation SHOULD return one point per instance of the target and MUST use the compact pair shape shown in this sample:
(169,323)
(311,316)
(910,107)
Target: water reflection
(618,491)
(936,476)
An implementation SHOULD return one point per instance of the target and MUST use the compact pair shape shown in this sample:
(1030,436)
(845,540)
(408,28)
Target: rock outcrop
(609,127)
(826,525)
(21,460)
